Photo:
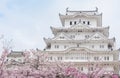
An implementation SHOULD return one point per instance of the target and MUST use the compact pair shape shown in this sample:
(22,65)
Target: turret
(89,18)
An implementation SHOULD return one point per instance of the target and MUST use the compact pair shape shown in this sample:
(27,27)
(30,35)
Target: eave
(49,41)
(81,50)
(90,29)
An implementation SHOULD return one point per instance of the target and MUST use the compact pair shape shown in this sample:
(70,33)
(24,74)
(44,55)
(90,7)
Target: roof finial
(96,9)
(67,9)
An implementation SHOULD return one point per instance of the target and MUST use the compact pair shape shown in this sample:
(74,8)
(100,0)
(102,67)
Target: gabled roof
(15,54)
(80,50)
(81,15)
(97,36)
(81,11)
(61,36)
(80,27)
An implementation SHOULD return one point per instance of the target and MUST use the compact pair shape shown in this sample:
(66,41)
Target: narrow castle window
(88,22)
(81,68)
(108,58)
(70,22)
(79,30)
(83,22)
(104,58)
(110,47)
(75,22)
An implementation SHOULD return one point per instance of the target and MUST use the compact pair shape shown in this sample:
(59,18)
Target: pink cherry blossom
(39,67)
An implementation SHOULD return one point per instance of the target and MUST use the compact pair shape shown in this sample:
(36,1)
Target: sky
(26,22)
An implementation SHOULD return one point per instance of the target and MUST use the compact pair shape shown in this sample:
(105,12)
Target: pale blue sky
(28,21)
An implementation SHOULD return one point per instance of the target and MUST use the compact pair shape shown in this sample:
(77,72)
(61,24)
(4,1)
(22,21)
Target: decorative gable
(81,15)
(80,26)
(61,36)
(97,36)
(79,50)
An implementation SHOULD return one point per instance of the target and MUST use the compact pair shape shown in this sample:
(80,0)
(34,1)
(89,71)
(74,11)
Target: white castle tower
(83,41)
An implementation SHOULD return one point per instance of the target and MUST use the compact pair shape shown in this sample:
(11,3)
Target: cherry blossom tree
(37,66)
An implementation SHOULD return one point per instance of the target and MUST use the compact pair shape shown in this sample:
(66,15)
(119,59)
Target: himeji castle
(83,40)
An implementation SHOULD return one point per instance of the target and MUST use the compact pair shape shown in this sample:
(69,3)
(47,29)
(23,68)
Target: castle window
(101,46)
(79,30)
(83,22)
(56,46)
(88,22)
(59,58)
(70,22)
(104,58)
(7,60)
(75,22)
(72,36)
(96,58)
(110,47)
(108,58)
(86,36)
(90,69)
(81,68)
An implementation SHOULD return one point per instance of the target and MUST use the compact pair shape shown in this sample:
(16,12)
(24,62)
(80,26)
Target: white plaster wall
(97,46)
(80,35)
(85,67)
(109,68)
(86,45)
(106,69)
(101,57)
(71,57)
(61,46)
